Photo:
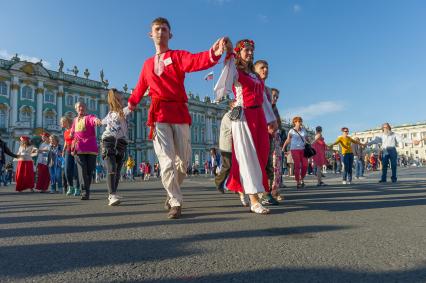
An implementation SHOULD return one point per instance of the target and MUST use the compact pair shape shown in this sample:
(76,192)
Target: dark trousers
(389,154)
(224,171)
(348,161)
(86,164)
(113,165)
(113,153)
(71,170)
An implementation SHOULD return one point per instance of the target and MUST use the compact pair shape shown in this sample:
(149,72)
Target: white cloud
(4,54)
(297,8)
(263,18)
(312,111)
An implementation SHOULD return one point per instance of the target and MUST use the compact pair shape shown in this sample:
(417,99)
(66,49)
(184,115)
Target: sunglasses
(346,131)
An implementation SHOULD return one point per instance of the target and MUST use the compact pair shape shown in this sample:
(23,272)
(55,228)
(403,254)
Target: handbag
(235,113)
(308,151)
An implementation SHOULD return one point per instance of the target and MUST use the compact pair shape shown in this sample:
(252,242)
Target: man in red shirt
(168,117)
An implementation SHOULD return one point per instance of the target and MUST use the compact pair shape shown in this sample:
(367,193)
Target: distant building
(410,131)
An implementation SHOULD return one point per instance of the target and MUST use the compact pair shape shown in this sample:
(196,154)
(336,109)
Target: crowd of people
(253,145)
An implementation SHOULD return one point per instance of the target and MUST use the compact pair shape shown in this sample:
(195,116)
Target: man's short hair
(160,21)
(261,62)
(275,89)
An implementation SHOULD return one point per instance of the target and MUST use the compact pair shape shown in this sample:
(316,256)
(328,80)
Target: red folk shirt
(68,139)
(164,74)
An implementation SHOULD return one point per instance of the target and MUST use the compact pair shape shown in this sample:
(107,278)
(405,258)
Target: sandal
(259,209)
(244,200)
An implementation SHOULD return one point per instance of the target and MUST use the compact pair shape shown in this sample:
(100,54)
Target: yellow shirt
(346,143)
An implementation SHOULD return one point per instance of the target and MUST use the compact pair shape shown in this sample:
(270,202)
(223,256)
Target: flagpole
(213,98)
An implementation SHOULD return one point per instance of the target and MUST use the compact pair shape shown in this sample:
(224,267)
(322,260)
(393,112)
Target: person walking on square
(83,131)
(130,163)
(389,141)
(297,137)
(253,120)
(225,147)
(168,116)
(70,166)
(3,151)
(319,159)
(114,143)
(358,151)
(261,68)
(25,168)
(54,162)
(345,141)
(43,175)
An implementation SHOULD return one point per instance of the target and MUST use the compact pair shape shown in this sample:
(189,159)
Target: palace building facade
(415,131)
(33,99)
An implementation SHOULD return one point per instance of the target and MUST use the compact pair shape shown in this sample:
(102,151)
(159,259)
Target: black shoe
(382,181)
(220,190)
(269,200)
(85,196)
(175,212)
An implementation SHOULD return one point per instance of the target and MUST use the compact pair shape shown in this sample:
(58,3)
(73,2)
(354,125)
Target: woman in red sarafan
(250,130)
(25,167)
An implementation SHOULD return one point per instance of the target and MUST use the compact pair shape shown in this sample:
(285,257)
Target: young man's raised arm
(139,90)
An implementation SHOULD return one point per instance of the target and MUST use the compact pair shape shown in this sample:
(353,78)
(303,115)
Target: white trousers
(172,144)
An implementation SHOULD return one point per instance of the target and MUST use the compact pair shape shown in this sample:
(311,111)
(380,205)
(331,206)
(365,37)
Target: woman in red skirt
(25,168)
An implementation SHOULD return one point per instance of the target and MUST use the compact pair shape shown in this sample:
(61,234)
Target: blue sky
(337,63)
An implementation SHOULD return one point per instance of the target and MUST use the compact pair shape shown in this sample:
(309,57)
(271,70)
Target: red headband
(24,138)
(243,44)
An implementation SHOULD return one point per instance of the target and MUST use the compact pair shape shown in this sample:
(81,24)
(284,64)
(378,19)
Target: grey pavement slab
(365,232)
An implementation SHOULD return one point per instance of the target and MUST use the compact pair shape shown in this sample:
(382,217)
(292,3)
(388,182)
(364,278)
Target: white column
(209,133)
(14,101)
(138,124)
(59,97)
(138,157)
(39,107)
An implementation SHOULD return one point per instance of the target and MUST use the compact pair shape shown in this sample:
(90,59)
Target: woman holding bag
(297,138)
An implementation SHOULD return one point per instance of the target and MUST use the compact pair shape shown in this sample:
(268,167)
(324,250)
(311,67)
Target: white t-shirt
(296,141)
(115,125)
(42,156)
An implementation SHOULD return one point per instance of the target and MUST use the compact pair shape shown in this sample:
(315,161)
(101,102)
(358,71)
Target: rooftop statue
(61,66)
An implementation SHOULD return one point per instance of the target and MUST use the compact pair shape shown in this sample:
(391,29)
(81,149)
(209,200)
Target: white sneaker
(344,182)
(113,200)
(348,183)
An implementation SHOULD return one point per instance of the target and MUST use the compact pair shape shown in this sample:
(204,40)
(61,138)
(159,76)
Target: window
(27,92)
(3,88)
(49,118)
(195,134)
(49,97)
(92,104)
(70,100)
(417,152)
(202,135)
(3,116)
(26,115)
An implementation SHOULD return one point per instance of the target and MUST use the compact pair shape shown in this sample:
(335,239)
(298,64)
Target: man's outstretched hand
(221,45)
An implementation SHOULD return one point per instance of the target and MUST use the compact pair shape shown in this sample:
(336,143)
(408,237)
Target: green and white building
(33,99)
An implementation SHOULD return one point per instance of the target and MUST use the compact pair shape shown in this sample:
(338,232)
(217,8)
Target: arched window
(27,92)
(49,97)
(49,118)
(26,115)
(3,88)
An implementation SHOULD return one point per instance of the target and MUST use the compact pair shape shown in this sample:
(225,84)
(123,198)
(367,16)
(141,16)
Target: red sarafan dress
(25,169)
(320,147)
(250,139)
